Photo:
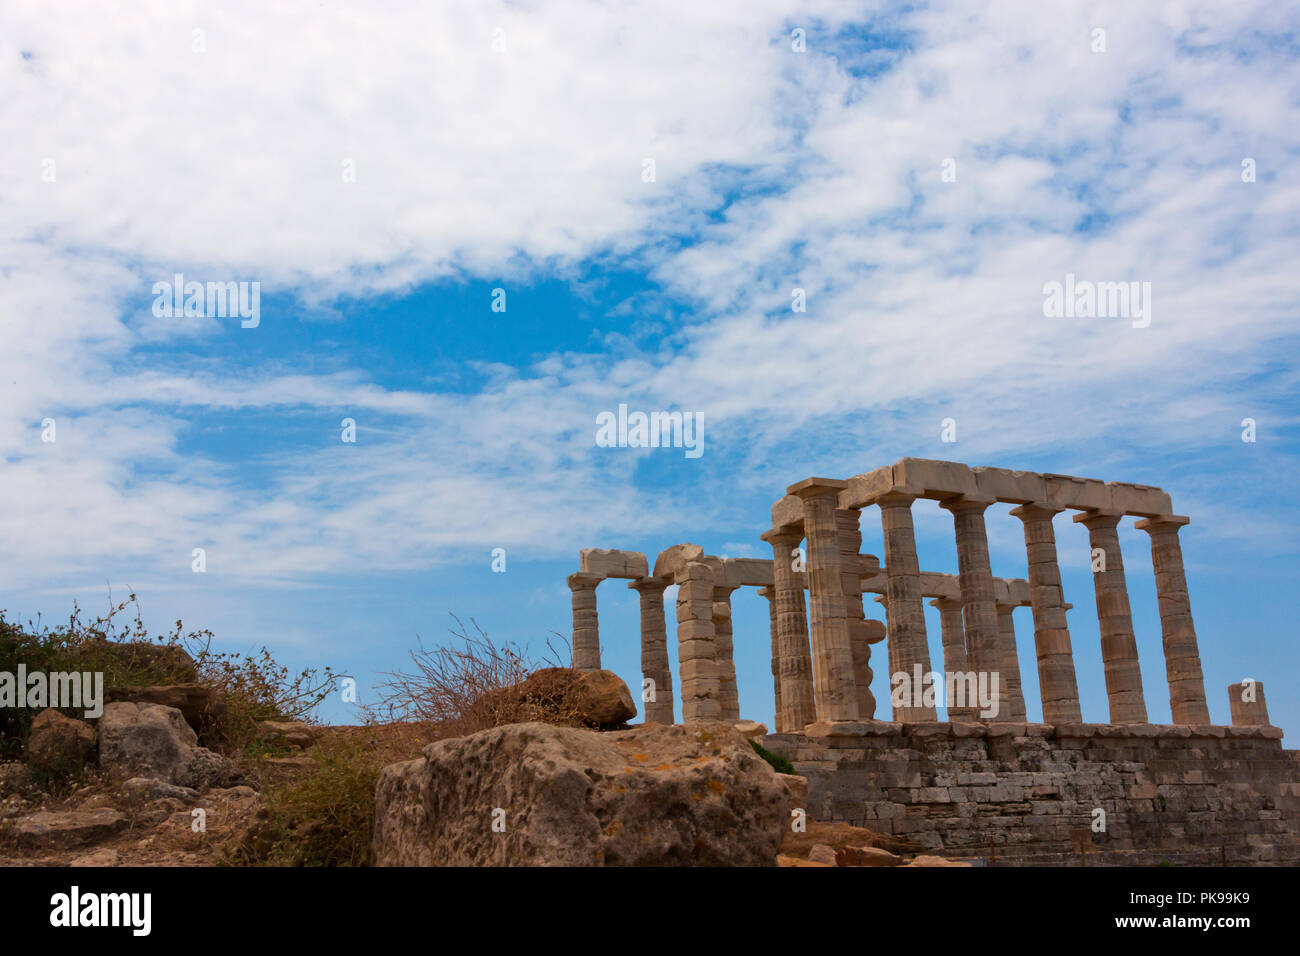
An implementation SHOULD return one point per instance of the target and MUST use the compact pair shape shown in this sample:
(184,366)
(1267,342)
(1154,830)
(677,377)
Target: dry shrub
(473,684)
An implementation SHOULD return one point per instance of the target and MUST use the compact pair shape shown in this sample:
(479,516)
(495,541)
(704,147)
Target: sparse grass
(473,684)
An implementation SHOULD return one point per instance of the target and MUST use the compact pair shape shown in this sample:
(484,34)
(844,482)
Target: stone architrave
(654,650)
(907,644)
(832,652)
(697,650)
(586,625)
(1118,643)
(798,704)
(1057,683)
(1182,655)
(979,600)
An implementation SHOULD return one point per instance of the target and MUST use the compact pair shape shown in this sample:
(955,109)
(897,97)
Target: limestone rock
(605,699)
(200,705)
(798,787)
(151,740)
(821,853)
(67,828)
(148,788)
(926,860)
(58,743)
(784,860)
(288,733)
(101,857)
(651,796)
(750,728)
(865,856)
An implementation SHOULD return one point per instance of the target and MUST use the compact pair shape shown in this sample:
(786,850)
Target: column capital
(723,592)
(583,580)
(1096,519)
(769,593)
(966,504)
(648,585)
(782,536)
(947,604)
(1161,523)
(894,499)
(1036,510)
(818,488)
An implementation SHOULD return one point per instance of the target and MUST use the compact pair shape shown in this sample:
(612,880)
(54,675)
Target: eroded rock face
(561,796)
(200,705)
(151,740)
(605,699)
(58,743)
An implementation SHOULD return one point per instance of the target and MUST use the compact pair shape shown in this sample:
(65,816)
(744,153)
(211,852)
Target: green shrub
(779,763)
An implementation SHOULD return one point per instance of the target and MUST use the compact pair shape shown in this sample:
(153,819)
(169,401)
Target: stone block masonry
(1018,794)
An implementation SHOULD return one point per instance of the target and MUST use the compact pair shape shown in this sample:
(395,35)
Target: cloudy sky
(648,184)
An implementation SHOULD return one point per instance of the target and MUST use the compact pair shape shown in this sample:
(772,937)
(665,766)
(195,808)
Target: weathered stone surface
(613,563)
(927,860)
(288,733)
(865,856)
(604,698)
(155,741)
(57,743)
(750,728)
(654,795)
(149,788)
(200,705)
(784,860)
(821,853)
(66,828)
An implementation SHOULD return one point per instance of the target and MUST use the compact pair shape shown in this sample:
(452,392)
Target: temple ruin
(821,642)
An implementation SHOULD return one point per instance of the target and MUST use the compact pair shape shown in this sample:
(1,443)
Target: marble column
(1011,662)
(832,652)
(1057,684)
(794,654)
(979,600)
(848,524)
(697,650)
(1182,655)
(952,631)
(907,644)
(586,625)
(1118,643)
(654,650)
(777,717)
(728,694)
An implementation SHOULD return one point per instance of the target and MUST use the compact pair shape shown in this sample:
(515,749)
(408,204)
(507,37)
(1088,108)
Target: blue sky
(133,147)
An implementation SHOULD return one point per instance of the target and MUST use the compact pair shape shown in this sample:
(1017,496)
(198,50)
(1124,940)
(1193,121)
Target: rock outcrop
(200,705)
(58,744)
(534,794)
(151,740)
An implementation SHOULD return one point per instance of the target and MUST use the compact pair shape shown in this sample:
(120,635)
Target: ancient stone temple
(985,780)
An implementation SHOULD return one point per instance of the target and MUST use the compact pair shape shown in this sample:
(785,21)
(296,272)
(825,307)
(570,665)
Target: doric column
(794,655)
(654,650)
(832,652)
(1182,656)
(953,635)
(728,696)
(1011,662)
(1057,684)
(777,719)
(697,651)
(1247,705)
(1118,644)
(979,600)
(586,626)
(847,523)
(907,643)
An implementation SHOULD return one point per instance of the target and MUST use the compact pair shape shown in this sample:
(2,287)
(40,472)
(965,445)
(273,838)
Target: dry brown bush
(472,684)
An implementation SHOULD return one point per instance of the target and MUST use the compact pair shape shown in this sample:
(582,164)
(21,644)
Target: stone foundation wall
(1025,793)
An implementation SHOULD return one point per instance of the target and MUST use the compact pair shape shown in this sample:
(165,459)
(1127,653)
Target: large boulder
(201,706)
(151,740)
(536,795)
(58,744)
(605,699)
